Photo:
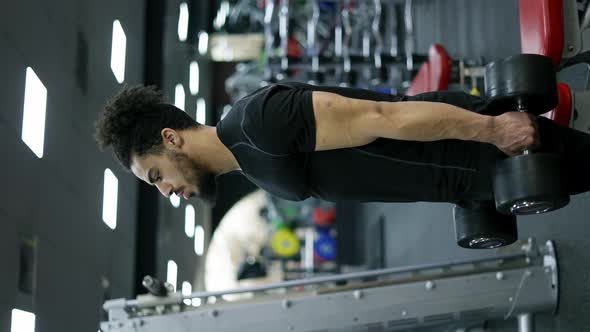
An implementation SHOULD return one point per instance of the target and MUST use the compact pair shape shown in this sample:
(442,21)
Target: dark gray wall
(468,28)
(58,199)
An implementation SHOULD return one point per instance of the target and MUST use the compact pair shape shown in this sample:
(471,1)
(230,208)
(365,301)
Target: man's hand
(514,132)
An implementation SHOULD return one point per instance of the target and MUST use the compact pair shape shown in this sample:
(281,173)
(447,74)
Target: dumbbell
(478,225)
(250,268)
(157,287)
(325,245)
(323,218)
(529,183)
(285,243)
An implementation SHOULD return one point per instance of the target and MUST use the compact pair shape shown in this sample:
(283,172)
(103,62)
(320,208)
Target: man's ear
(171,138)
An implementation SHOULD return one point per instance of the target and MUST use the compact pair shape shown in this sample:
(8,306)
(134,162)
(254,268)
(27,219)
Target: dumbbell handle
(155,287)
(521,108)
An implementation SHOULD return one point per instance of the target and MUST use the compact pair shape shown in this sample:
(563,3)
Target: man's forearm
(430,121)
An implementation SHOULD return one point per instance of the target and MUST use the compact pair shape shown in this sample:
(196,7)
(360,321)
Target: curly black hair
(131,122)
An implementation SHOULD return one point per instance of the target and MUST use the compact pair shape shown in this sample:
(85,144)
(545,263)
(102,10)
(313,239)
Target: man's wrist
(487,131)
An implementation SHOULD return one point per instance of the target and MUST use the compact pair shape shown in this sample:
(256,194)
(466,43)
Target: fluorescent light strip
(118,50)
(22,321)
(194,78)
(172,273)
(179,96)
(221,17)
(201,111)
(175,200)
(189,220)
(187,289)
(34,109)
(203,42)
(109,199)
(199,240)
(183,22)
(224,8)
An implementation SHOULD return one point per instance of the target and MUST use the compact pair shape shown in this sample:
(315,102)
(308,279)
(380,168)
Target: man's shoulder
(264,104)
(266,90)
(241,115)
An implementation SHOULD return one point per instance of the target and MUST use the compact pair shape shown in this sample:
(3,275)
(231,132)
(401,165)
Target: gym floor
(423,232)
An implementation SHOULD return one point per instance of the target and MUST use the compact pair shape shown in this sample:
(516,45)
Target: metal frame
(572,41)
(581,119)
(576,41)
(511,285)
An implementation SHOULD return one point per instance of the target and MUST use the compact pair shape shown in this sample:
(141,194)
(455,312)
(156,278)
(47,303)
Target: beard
(196,173)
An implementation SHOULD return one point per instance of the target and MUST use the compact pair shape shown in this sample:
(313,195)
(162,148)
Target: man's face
(173,171)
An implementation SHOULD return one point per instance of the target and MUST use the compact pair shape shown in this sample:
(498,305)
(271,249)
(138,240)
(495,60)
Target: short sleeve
(279,120)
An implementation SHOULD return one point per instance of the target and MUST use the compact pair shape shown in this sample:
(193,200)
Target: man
(296,140)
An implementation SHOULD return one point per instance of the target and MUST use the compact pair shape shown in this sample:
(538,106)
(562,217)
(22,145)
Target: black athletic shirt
(271,133)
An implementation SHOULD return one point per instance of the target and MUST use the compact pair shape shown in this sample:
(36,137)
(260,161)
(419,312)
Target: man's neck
(205,145)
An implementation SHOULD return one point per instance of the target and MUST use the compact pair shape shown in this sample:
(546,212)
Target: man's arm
(343,122)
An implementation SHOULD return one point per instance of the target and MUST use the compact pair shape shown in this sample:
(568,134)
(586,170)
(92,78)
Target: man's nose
(165,189)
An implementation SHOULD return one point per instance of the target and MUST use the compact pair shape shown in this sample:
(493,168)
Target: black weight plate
(537,178)
(530,77)
(252,270)
(478,225)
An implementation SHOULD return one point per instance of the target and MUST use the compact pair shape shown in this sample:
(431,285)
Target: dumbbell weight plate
(530,77)
(284,243)
(479,226)
(530,184)
(325,247)
(251,268)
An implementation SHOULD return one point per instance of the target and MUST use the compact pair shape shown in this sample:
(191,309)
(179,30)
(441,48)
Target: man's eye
(155,179)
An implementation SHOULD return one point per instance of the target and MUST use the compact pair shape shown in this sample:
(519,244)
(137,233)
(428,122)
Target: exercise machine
(513,284)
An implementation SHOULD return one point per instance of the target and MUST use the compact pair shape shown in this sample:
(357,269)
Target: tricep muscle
(343,122)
